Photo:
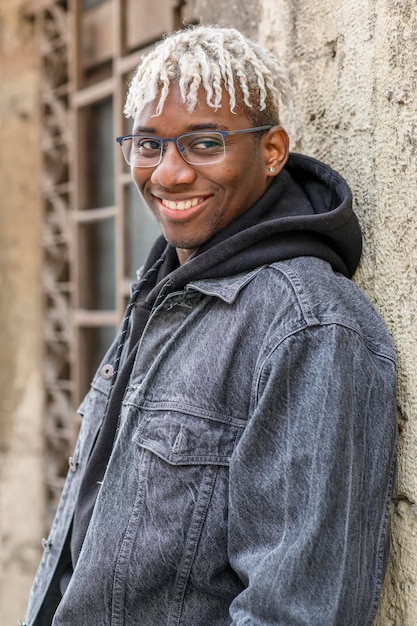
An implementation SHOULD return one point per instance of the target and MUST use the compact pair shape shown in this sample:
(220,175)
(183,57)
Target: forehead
(175,118)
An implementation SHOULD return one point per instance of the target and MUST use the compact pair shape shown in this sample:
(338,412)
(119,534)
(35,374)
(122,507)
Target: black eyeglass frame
(164,140)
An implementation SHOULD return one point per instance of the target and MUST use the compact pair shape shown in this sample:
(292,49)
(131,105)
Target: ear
(276,146)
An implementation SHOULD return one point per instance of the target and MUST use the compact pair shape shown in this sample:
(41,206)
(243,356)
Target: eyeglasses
(196,148)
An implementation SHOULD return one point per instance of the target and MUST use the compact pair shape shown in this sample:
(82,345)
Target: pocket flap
(183,439)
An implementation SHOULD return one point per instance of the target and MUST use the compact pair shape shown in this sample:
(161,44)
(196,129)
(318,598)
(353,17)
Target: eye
(207,143)
(146,146)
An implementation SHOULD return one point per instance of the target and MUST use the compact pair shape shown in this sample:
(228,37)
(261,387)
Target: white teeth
(182,205)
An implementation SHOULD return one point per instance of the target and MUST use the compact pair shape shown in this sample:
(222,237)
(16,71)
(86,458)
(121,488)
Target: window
(96,230)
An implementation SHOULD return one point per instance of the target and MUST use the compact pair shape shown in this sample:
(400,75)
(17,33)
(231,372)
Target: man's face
(194,202)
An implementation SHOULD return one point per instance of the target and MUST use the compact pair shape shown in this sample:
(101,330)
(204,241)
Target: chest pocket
(184,460)
(186,439)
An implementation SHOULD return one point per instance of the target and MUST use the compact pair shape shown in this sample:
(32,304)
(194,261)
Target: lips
(181,205)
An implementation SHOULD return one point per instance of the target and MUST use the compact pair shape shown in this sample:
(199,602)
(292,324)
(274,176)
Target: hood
(306,211)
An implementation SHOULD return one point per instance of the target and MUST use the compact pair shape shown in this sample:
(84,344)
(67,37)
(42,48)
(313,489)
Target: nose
(173,169)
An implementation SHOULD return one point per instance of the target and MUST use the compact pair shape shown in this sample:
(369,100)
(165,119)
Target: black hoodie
(306,211)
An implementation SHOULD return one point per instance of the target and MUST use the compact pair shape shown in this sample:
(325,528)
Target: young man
(235,459)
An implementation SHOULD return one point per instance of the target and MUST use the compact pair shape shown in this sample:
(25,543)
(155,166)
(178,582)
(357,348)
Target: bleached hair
(214,59)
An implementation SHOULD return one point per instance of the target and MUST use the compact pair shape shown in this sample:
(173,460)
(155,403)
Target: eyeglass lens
(195,148)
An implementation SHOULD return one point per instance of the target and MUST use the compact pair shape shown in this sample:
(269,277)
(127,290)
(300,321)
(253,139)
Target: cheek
(139,180)
(244,169)
(235,180)
(230,180)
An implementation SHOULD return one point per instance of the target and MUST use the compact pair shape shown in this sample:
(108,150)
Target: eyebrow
(194,127)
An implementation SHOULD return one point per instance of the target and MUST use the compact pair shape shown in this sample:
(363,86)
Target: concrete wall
(21,493)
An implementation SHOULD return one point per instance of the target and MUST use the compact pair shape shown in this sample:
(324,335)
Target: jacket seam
(307,326)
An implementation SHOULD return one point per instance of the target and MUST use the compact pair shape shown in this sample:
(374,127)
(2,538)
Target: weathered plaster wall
(396,273)
(21,496)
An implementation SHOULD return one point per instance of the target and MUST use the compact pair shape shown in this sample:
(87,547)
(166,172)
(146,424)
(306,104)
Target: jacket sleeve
(310,483)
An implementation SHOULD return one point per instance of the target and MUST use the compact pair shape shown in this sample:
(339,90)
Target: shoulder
(305,293)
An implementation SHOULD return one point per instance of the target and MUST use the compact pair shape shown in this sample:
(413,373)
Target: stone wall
(21,492)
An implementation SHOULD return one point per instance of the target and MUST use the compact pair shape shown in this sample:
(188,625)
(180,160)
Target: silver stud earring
(272,169)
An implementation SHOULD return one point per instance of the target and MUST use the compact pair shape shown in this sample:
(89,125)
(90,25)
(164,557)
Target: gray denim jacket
(251,477)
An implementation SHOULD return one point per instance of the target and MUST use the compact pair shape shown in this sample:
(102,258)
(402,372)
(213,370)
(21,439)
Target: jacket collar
(228,288)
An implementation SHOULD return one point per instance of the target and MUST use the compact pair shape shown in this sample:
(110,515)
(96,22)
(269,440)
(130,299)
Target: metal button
(107,371)
(72,464)
(46,544)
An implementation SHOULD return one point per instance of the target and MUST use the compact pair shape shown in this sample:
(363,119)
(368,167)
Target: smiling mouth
(181,205)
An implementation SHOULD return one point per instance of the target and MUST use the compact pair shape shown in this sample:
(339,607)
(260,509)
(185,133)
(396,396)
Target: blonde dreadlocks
(214,59)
